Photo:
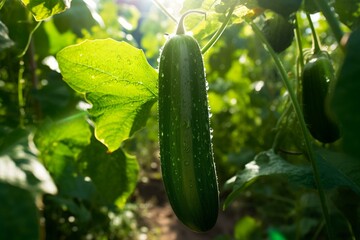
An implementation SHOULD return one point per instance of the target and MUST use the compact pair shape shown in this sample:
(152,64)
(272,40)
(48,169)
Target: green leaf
(349,12)
(61,142)
(265,164)
(42,9)
(2,2)
(282,7)
(117,80)
(247,228)
(113,174)
(5,41)
(82,15)
(346,97)
(19,165)
(339,169)
(332,173)
(22,179)
(191,4)
(19,217)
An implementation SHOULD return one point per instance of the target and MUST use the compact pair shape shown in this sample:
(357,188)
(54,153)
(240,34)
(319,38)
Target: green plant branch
(300,59)
(29,40)
(331,19)
(34,79)
(164,10)
(296,105)
(219,32)
(181,28)
(315,39)
(21,99)
(299,43)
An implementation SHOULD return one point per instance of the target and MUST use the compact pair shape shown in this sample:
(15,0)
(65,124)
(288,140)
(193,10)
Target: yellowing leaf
(46,8)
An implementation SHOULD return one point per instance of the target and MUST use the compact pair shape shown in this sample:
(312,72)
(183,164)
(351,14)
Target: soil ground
(164,225)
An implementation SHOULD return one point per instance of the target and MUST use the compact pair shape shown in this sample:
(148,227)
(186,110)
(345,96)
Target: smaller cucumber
(316,78)
(279,32)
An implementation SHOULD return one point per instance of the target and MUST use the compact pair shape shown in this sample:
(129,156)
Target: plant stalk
(330,16)
(21,99)
(299,43)
(219,32)
(29,40)
(165,11)
(315,39)
(296,105)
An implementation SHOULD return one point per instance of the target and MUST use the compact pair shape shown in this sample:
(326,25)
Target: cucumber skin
(316,79)
(186,153)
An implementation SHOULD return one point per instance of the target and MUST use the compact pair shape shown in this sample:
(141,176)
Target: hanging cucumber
(317,77)
(279,32)
(186,153)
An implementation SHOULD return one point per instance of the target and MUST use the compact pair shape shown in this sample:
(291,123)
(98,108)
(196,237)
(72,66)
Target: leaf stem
(300,59)
(181,29)
(296,105)
(299,43)
(331,19)
(29,40)
(219,32)
(165,11)
(315,39)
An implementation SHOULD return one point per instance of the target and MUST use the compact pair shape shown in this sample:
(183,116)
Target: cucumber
(279,32)
(317,76)
(186,153)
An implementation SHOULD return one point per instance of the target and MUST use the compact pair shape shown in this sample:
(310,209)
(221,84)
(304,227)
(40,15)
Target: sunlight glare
(172,6)
(253,167)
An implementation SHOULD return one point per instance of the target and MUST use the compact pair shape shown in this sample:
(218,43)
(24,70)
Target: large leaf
(60,143)
(117,80)
(82,15)
(332,173)
(19,165)
(85,169)
(2,3)
(339,169)
(346,96)
(348,11)
(42,9)
(61,140)
(19,217)
(282,7)
(191,4)
(113,174)
(5,41)
(22,179)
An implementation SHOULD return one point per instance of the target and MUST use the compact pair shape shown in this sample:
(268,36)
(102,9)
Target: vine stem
(296,105)
(331,19)
(166,12)
(299,43)
(219,32)
(316,42)
(181,28)
(29,40)
(21,99)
